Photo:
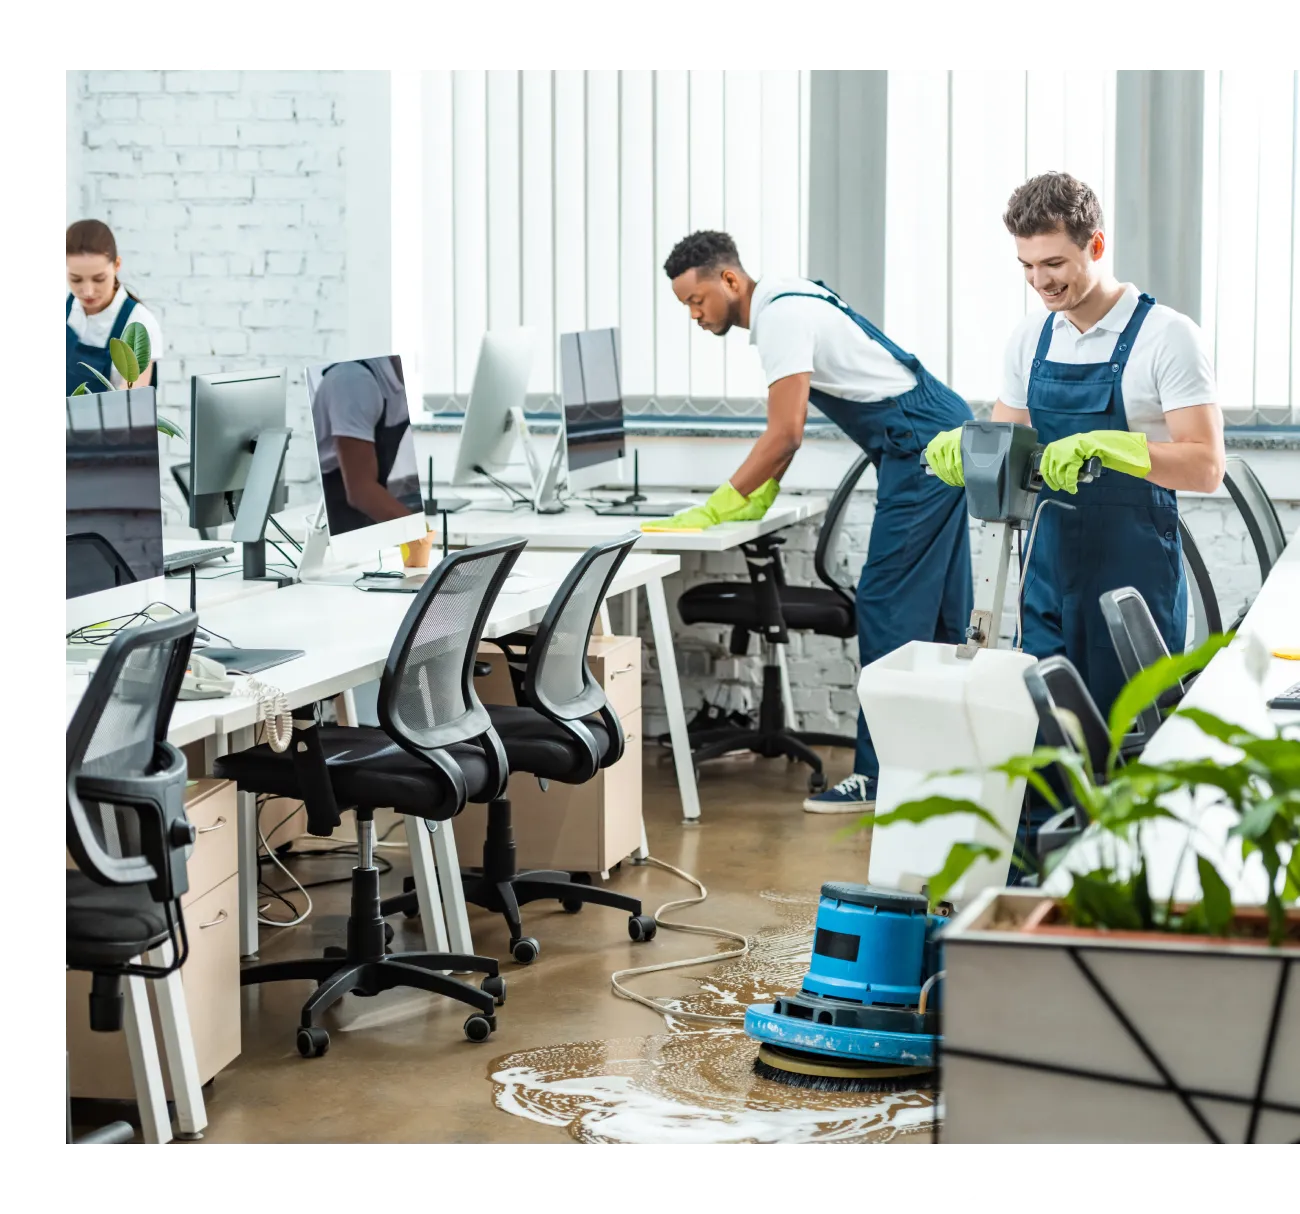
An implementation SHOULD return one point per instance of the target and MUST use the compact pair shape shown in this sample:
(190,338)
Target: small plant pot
(415,554)
(1060,1034)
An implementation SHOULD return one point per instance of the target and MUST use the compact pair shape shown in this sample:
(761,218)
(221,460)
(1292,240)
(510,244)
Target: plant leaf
(99,375)
(1216,727)
(169,428)
(960,857)
(136,338)
(1216,901)
(937,807)
(1255,822)
(124,360)
(1098,900)
(82,389)
(1148,685)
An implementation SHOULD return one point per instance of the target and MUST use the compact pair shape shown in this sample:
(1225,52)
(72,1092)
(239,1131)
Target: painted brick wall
(824,671)
(225,191)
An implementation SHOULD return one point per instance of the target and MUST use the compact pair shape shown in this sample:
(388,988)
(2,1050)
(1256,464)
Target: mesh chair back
(94,564)
(1054,684)
(426,696)
(838,559)
(1257,511)
(116,745)
(1202,600)
(558,679)
(1138,644)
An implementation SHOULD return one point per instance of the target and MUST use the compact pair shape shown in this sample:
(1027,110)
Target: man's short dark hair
(1051,201)
(706,252)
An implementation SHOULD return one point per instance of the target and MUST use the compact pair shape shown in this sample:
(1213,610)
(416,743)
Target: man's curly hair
(706,252)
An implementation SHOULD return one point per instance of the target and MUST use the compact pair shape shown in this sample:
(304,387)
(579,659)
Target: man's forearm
(767,460)
(375,502)
(1189,466)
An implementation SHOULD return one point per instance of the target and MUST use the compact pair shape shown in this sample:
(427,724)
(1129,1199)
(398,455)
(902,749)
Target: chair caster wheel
(313,1042)
(389,933)
(571,905)
(408,887)
(642,927)
(478,1027)
(581,878)
(496,987)
(816,782)
(525,950)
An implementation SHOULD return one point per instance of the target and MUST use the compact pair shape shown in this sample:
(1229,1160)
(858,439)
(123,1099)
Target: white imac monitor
(505,364)
(362,426)
(594,439)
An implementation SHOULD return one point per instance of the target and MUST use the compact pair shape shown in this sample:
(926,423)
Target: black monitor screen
(114,496)
(593,400)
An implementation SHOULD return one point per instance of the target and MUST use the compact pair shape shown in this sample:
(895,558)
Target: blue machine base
(868,1045)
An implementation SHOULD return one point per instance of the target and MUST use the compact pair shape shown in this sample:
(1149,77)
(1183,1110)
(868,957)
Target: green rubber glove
(724,505)
(757,503)
(1118,450)
(943,453)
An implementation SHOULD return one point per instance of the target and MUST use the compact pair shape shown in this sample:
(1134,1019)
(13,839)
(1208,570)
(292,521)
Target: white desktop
(363,399)
(494,416)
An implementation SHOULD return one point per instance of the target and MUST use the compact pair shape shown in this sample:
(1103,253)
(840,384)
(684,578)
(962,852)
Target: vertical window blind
(551,199)
(1251,207)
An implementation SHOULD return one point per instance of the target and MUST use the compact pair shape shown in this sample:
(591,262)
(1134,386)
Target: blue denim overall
(97,356)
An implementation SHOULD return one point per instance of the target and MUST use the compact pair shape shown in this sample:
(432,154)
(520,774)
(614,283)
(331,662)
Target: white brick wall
(824,671)
(225,191)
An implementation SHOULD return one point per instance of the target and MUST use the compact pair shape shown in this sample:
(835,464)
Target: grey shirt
(349,404)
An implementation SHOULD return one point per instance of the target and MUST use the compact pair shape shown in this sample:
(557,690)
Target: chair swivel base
(769,744)
(365,968)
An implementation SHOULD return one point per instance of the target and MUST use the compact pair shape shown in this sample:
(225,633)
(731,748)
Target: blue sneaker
(854,794)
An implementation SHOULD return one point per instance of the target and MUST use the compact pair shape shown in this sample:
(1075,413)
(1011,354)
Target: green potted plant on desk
(130,353)
(1089,1009)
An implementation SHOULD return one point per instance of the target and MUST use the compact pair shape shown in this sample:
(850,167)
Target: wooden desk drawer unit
(98,1061)
(581,828)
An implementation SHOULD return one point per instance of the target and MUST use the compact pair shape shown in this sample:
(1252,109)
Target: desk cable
(695,929)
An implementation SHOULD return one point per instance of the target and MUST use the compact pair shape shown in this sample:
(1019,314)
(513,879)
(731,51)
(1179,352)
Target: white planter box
(1040,1034)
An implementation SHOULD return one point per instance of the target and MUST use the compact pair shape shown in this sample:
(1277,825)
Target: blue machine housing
(873,951)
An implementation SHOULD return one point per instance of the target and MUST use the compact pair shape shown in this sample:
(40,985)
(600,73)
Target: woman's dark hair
(94,236)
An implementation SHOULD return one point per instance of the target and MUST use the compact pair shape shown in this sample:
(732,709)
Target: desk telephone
(206,679)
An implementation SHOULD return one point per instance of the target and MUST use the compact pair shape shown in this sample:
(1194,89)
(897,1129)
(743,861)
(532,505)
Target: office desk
(578,528)
(1227,689)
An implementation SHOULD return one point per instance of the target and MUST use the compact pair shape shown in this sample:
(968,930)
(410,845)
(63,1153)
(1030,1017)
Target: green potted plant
(1089,1009)
(130,354)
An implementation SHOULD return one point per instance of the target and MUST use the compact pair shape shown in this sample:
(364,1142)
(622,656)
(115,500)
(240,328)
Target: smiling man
(1109,373)
(916,583)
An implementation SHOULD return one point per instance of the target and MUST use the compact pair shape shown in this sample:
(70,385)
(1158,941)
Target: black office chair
(561,728)
(1056,687)
(1257,511)
(94,564)
(1206,618)
(434,751)
(770,607)
(1138,644)
(126,823)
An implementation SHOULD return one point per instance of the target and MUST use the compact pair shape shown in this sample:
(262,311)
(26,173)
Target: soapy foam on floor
(696,1084)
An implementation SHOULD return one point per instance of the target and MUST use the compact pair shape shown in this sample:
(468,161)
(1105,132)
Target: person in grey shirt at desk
(364,443)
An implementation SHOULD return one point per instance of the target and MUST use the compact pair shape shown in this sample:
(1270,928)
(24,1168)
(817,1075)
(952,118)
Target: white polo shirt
(1168,367)
(794,336)
(96,330)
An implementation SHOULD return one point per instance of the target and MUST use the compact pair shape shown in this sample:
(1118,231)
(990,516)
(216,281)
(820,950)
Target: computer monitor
(113,521)
(364,401)
(487,436)
(594,439)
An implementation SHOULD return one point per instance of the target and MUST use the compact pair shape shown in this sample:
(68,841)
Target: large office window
(550,199)
(1250,263)
(957,144)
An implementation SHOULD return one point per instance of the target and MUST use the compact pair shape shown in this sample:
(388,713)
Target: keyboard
(192,557)
(642,509)
(1290,698)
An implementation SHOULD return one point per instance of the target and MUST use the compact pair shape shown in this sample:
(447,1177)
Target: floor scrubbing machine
(867,1016)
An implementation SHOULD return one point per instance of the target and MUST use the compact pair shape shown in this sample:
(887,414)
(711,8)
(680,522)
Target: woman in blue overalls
(99,308)
(916,584)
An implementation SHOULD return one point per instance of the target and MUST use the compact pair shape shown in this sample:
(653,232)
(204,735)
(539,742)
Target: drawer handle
(630,738)
(221,918)
(615,673)
(217,825)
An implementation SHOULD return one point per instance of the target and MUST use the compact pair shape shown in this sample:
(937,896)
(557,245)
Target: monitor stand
(255,506)
(545,480)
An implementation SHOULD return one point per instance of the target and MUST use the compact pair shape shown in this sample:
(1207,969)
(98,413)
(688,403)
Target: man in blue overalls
(916,584)
(1113,374)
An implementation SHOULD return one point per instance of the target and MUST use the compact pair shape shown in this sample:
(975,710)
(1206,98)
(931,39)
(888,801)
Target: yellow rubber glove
(943,454)
(758,503)
(1118,450)
(723,506)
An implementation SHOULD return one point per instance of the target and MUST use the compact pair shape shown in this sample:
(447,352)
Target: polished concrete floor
(400,1070)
